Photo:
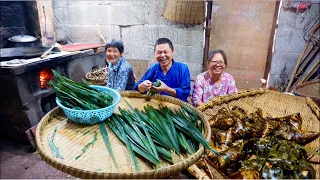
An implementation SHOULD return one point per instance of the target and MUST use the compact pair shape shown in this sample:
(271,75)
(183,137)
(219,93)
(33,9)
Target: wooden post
(33,26)
(270,50)
(207,30)
(45,14)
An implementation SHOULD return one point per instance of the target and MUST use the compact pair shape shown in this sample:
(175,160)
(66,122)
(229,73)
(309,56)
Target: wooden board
(79,47)
(242,29)
(45,13)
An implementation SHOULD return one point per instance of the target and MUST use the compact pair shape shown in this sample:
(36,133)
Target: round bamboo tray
(98,76)
(70,138)
(274,103)
(309,89)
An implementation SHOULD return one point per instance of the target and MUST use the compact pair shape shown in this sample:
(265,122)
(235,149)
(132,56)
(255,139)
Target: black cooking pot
(22,41)
(7,54)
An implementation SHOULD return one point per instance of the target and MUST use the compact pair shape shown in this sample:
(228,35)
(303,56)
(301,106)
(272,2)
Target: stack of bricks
(31,135)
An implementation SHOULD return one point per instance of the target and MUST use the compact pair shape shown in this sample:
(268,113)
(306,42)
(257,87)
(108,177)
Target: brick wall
(17,18)
(137,23)
(289,43)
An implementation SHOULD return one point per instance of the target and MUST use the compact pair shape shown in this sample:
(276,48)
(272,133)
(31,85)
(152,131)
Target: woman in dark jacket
(120,73)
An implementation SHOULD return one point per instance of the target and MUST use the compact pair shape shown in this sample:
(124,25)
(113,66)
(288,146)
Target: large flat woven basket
(274,103)
(309,89)
(70,138)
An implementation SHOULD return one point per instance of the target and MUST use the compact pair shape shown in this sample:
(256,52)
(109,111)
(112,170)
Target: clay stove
(25,95)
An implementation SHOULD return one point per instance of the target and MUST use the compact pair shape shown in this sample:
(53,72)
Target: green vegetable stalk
(54,149)
(84,149)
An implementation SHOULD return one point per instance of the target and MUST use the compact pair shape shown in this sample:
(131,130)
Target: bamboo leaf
(128,144)
(189,129)
(164,153)
(155,153)
(135,147)
(173,133)
(184,144)
(106,140)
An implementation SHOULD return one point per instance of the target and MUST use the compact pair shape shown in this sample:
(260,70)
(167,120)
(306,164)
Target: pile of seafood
(257,147)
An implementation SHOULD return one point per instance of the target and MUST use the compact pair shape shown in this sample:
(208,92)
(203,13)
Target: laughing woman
(215,81)
(120,73)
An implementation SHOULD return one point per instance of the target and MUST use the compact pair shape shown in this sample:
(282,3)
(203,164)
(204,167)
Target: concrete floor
(20,161)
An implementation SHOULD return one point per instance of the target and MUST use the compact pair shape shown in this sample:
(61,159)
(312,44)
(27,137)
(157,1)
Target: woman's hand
(199,103)
(144,86)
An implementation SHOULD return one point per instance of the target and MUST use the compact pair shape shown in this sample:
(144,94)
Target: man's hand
(164,88)
(144,86)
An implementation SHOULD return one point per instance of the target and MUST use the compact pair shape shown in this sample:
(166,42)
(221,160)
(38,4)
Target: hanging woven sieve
(185,12)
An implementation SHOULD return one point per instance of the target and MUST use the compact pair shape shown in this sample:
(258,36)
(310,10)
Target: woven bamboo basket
(185,12)
(70,138)
(274,103)
(98,76)
(309,89)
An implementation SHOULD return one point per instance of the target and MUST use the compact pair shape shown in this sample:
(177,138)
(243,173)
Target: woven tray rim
(162,172)
(222,99)
(296,91)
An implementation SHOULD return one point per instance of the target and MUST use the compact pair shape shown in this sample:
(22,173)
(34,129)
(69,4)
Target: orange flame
(45,76)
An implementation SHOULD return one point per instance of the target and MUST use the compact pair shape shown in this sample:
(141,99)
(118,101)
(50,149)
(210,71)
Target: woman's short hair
(212,53)
(115,44)
(163,41)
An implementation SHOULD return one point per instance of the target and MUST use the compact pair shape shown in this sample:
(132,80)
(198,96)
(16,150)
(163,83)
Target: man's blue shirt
(178,78)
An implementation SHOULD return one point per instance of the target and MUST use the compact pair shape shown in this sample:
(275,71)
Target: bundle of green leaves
(79,96)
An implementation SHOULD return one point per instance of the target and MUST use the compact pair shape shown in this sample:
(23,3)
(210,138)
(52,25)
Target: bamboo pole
(310,71)
(300,58)
(198,173)
(297,65)
(99,33)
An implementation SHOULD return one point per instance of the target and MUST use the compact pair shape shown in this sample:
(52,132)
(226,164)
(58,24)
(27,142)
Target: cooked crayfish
(280,159)
(253,146)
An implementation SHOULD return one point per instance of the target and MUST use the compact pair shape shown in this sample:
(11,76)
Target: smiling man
(174,76)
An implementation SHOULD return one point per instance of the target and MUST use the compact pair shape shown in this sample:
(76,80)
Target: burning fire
(45,76)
